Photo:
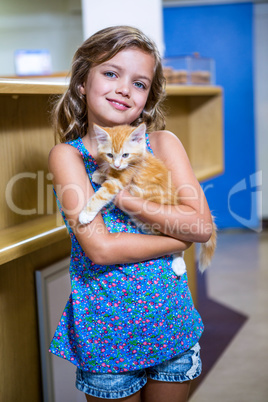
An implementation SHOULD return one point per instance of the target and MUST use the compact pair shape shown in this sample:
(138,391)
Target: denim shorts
(183,367)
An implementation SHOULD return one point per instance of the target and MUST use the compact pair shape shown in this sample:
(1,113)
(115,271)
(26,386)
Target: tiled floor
(237,287)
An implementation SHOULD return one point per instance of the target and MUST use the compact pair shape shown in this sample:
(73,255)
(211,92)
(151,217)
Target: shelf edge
(56,86)
(28,245)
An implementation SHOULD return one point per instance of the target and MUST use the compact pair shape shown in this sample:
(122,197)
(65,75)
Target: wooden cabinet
(32,233)
(195,115)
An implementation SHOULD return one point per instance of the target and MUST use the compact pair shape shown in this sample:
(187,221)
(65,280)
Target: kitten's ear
(101,135)
(138,135)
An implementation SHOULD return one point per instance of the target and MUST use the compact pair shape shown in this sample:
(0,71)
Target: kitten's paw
(178,266)
(86,217)
(98,177)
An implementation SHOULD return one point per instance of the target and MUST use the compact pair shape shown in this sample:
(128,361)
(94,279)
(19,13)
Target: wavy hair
(70,112)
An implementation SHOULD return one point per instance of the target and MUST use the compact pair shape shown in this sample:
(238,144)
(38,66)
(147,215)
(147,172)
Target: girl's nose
(123,89)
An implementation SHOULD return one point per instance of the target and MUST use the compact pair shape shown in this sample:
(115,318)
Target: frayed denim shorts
(183,367)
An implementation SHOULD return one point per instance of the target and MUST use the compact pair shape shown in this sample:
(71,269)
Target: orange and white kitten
(125,162)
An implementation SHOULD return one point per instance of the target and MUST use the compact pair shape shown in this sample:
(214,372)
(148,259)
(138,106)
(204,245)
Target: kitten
(125,162)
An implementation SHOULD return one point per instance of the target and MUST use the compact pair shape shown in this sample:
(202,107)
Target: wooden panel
(205,132)
(197,122)
(20,369)
(25,141)
(177,120)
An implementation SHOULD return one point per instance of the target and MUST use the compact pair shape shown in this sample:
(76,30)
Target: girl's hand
(119,199)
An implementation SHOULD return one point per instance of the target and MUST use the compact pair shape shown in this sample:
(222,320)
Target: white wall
(57,26)
(261,97)
(31,25)
(143,14)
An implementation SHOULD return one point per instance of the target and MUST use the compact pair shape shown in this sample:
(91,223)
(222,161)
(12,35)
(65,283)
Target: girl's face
(117,90)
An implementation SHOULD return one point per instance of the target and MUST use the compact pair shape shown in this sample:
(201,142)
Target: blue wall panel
(225,33)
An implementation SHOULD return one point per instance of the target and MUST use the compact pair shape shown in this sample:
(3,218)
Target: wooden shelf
(192,90)
(19,240)
(56,85)
(37,86)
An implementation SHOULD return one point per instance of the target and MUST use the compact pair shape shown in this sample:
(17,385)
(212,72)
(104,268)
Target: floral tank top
(127,316)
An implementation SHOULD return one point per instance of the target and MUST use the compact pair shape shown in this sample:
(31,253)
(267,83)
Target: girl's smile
(119,105)
(117,90)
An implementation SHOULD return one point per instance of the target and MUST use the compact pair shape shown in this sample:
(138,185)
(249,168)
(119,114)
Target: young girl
(129,326)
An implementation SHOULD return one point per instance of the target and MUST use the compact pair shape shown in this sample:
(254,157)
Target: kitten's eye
(125,155)
(110,155)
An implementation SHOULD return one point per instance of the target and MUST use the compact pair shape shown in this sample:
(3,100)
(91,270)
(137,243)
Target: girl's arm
(191,220)
(73,189)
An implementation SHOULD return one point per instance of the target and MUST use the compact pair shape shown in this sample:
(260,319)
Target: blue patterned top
(127,316)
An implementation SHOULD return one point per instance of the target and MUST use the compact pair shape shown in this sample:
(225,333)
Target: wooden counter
(32,233)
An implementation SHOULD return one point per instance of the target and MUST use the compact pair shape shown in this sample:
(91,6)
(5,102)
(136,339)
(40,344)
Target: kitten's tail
(207,249)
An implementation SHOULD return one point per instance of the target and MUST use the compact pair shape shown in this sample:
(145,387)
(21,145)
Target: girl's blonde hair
(70,113)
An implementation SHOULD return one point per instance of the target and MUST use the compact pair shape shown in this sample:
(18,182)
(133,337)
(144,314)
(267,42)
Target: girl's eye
(140,85)
(110,74)
(125,155)
(110,155)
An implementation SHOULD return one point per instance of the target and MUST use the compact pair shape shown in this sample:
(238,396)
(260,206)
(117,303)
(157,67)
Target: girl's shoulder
(63,150)
(63,153)
(164,144)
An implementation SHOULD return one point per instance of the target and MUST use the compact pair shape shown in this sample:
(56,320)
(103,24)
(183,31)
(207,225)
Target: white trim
(183,3)
(44,280)
(261,102)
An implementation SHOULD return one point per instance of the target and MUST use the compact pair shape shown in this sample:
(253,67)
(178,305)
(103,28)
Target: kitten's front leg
(100,199)
(98,177)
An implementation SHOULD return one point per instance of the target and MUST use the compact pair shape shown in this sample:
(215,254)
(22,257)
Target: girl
(129,326)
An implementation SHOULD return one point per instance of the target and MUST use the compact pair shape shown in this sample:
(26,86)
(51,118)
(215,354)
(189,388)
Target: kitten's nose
(117,163)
